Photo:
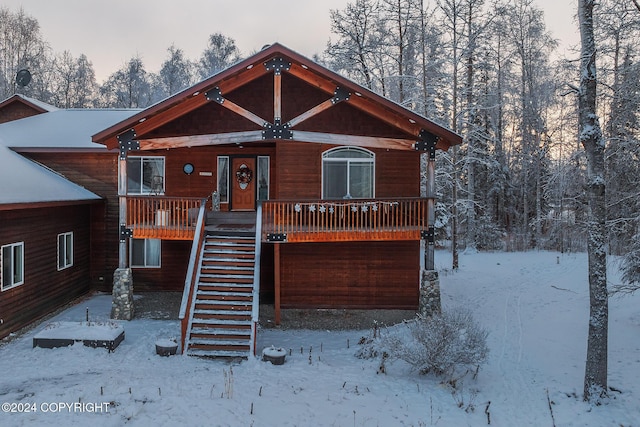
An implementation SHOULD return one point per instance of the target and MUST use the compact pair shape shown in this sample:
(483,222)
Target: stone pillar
(122,296)
(429,294)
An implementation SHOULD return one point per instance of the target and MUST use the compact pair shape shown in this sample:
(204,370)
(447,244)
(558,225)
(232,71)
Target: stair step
(223,324)
(228,261)
(227,307)
(241,304)
(226,269)
(217,353)
(230,237)
(222,294)
(227,332)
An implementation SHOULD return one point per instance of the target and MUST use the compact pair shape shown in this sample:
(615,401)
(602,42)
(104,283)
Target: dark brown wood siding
(16,111)
(350,275)
(98,173)
(45,288)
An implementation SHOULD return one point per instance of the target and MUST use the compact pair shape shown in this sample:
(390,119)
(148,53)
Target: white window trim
(164,174)
(268,173)
(145,255)
(371,159)
(12,285)
(218,177)
(64,236)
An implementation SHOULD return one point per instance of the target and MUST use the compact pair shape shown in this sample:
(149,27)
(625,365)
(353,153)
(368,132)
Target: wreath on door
(244,175)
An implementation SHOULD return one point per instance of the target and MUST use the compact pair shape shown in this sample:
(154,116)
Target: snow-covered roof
(60,128)
(26,181)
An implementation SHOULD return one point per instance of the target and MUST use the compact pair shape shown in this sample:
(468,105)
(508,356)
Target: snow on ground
(534,304)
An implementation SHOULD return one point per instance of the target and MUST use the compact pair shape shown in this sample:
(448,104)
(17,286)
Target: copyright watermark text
(56,407)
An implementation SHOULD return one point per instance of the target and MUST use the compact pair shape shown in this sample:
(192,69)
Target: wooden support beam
(277,96)
(201,140)
(355,140)
(232,106)
(122,208)
(276,274)
(312,112)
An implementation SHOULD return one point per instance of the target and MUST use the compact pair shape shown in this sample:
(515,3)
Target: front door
(243,183)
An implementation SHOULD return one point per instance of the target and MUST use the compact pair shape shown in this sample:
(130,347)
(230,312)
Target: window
(12,265)
(348,172)
(65,250)
(223,178)
(145,253)
(145,175)
(263,177)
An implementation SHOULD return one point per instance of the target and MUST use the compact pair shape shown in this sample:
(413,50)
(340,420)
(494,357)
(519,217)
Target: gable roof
(29,182)
(37,105)
(276,59)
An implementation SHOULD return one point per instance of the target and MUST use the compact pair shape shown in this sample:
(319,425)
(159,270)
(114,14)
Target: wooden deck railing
(159,217)
(344,220)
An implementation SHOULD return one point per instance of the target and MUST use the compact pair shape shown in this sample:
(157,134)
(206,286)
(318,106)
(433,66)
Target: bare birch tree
(595,378)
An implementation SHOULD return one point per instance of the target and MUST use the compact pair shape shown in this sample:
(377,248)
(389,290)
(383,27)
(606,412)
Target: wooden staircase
(220,321)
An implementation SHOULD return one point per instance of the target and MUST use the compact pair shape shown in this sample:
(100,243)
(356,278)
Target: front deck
(172,218)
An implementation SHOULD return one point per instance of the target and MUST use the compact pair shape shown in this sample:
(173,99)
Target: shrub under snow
(441,345)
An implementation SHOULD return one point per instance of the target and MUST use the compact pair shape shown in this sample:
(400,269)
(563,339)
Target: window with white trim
(348,173)
(145,175)
(12,265)
(263,177)
(145,253)
(65,250)
(223,178)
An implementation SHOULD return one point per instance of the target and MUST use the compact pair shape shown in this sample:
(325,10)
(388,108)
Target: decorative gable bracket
(277,65)
(214,94)
(429,235)
(277,130)
(340,94)
(276,237)
(125,232)
(127,142)
(427,142)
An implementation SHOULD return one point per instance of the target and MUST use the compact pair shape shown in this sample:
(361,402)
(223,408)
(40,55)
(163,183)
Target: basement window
(12,265)
(145,253)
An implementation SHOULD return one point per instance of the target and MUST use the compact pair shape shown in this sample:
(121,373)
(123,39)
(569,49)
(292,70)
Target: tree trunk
(595,378)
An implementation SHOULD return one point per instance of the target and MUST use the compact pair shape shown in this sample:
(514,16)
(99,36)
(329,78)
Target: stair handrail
(255,308)
(191,276)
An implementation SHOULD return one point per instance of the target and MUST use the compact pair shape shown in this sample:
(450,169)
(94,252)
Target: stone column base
(430,303)
(122,295)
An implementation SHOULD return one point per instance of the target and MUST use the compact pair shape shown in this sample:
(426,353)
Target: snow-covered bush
(442,345)
(489,236)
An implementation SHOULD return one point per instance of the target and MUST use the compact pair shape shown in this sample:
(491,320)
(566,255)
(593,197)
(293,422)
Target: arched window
(348,172)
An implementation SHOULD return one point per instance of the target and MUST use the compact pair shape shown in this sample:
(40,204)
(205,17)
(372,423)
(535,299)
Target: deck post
(276,274)
(430,302)
(122,293)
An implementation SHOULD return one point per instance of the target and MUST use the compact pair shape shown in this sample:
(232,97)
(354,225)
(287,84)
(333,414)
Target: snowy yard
(534,307)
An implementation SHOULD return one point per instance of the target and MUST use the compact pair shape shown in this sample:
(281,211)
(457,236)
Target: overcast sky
(110,32)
